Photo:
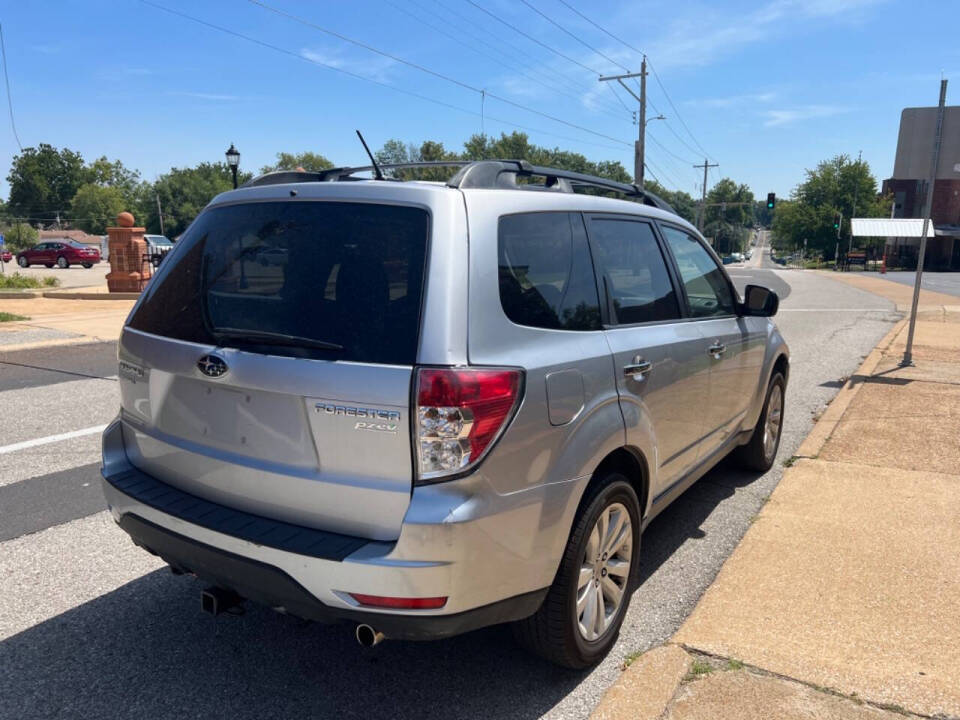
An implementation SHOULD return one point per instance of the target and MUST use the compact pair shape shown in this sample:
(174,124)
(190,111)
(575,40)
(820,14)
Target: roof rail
(339,174)
(489,174)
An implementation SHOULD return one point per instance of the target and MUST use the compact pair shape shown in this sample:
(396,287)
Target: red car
(6,256)
(61,254)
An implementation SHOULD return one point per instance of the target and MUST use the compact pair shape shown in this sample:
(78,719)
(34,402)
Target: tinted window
(546,276)
(343,273)
(633,273)
(708,292)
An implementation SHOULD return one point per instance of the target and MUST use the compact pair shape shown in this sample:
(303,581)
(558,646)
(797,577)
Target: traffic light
(771,200)
(836,221)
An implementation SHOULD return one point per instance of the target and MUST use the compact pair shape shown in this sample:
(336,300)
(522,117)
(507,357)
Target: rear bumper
(270,586)
(492,556)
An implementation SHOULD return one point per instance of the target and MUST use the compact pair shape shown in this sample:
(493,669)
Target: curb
(70,295)
(646,687)
(57,342)
(824,427)
(649,683)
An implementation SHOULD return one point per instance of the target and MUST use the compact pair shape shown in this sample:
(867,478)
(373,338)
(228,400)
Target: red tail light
(460,413)
(400,603)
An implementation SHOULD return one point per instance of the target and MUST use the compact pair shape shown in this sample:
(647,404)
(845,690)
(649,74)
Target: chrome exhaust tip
(368,637)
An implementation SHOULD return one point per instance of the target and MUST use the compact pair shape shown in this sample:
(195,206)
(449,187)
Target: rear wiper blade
(272,338)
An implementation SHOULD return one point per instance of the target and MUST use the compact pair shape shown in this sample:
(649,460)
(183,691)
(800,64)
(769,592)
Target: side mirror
(759,301)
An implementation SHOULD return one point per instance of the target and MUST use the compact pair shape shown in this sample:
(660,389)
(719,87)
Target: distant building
(911,170)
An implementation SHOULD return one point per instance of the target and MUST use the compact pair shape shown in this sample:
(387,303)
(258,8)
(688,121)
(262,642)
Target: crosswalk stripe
(50,439)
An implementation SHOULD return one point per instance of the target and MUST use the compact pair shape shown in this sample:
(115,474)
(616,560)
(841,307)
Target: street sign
(1,239)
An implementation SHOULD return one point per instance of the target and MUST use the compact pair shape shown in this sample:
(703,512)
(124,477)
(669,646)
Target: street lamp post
(233,160)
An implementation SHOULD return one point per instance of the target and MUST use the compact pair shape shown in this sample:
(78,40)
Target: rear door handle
(638,369)
(717,349)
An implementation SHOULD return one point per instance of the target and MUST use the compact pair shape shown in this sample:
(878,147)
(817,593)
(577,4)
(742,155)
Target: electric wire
(608,109)
(533,39)
(435,73)
(663,89)
(466,24)
(575,37)
(394,88)
(6,78)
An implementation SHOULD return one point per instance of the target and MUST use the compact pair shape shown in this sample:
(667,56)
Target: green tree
(95,207)
(831,187)
(43,181)
(730,209)
(681,202)
(309,161)
(18,236)
(184,192)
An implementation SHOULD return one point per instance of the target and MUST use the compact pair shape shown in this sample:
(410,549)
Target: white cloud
(704,36)
(807,112)
(733,100)
(375,68)
(215,97)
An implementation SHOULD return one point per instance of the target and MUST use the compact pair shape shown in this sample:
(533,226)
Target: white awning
(890,227)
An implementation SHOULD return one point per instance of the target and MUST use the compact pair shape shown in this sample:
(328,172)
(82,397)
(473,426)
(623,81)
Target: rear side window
(546,276)
(328,280)
(634,277)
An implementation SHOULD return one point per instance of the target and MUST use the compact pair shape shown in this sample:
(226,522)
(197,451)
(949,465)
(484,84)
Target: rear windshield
(326,280)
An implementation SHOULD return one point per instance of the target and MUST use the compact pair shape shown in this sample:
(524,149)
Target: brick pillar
(128,272)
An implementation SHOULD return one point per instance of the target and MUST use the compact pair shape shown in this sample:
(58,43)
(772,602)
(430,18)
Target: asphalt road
(92,627)
(942,282)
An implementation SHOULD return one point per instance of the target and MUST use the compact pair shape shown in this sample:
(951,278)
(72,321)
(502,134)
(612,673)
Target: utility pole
(638,146)
(703,195)
(853,214)
(927,210)
(160,214)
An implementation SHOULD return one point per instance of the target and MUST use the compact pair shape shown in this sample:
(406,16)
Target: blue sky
(766,88)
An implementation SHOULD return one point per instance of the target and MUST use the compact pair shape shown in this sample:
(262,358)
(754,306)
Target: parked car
(6,256)
(157,247)
(458,405)
(62,254)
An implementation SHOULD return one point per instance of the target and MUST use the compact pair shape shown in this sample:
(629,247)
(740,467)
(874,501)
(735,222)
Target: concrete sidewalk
(60,321)
(843,598)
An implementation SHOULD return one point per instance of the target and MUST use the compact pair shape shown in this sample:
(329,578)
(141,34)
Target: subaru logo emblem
(212,366)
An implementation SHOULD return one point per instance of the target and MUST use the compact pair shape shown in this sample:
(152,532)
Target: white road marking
(51,439)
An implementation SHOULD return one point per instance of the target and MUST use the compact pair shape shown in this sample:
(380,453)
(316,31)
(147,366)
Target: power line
(435,73)
(533,39)
(6,78)
(467,24)
(652,70)
(668,150)
(679,117)
(575,37)
(612,112)
(394,88)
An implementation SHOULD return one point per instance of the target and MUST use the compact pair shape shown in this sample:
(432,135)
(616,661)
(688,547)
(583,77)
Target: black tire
(552,632)
(48,265)
(755,455)
(23,262)
(87,265)
(63,263)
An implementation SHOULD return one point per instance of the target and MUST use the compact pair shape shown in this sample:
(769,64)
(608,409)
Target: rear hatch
(269,366)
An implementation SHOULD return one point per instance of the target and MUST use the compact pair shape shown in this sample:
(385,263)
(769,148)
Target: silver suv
(437,406)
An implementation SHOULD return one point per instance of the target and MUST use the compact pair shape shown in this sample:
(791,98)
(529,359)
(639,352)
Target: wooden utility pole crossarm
(638,147)
(703,197)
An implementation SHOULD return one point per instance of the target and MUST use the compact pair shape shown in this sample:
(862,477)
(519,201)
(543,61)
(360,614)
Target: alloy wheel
(771,429)
(604,572)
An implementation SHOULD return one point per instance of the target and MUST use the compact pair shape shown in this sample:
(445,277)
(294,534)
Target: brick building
(908,185)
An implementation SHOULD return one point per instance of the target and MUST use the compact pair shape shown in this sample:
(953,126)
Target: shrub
(25,282)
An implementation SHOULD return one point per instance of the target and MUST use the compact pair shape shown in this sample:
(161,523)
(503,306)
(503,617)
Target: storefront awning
(890,227)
